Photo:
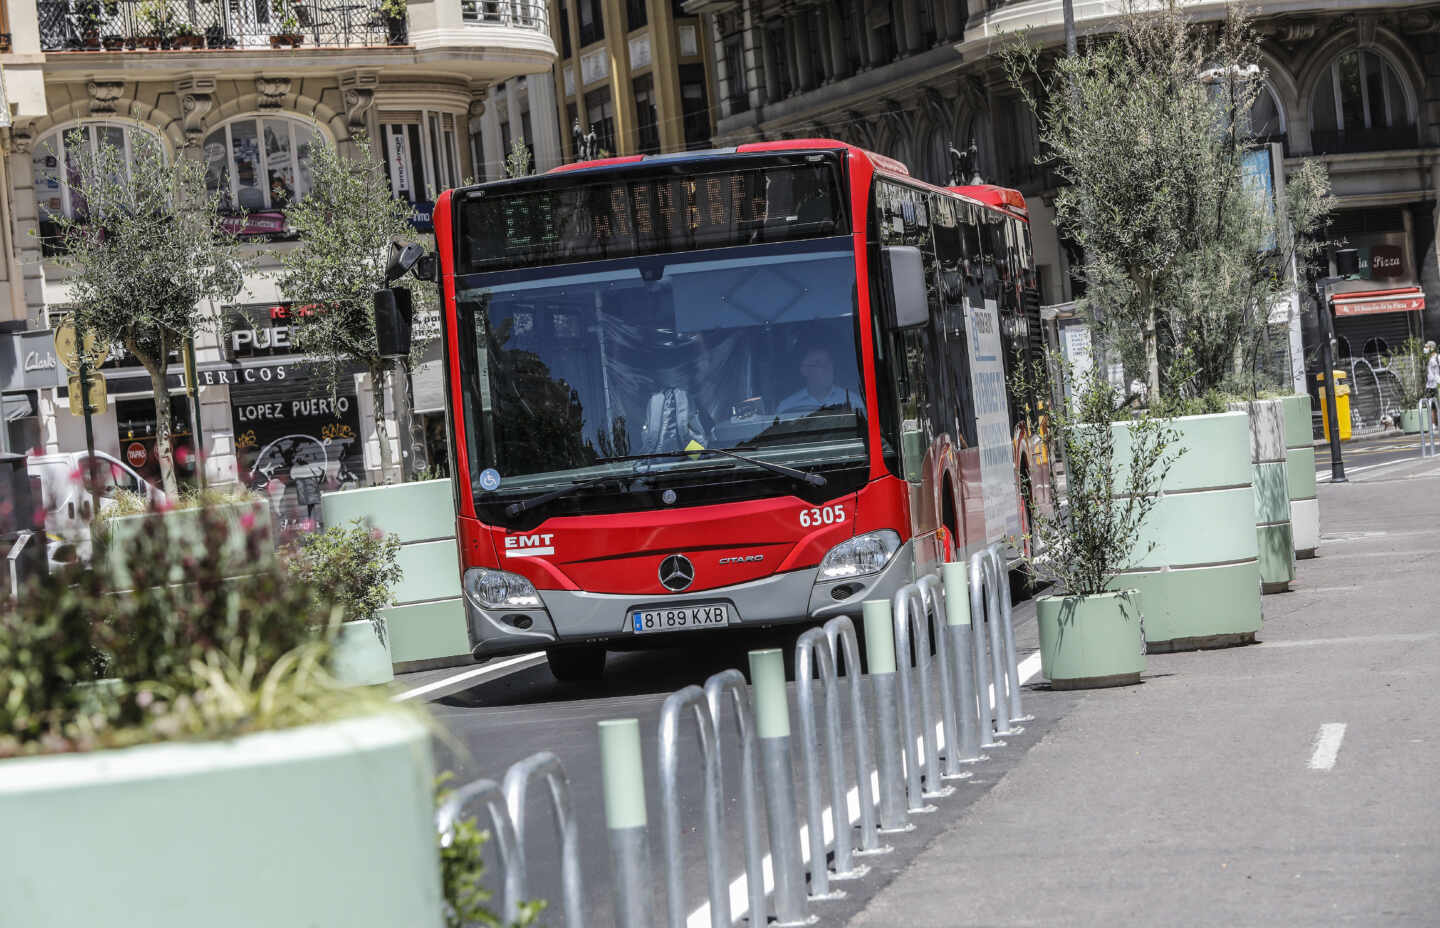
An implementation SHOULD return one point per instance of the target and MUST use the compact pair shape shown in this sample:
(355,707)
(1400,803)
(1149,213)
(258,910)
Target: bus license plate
(679,618)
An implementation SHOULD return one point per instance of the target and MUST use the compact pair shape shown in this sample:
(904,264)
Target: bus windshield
(575,371)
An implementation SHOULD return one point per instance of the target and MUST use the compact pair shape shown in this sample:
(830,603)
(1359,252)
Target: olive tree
(346,225)
(1147,127)
(148,248)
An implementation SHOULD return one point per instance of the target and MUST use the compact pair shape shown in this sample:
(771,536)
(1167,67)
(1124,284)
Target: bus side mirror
(393,310)
(905,271)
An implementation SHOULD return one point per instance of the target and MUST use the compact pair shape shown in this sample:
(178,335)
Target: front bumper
(576,617)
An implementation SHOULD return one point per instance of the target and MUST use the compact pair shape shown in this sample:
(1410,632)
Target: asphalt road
(489,726)
(1362,454)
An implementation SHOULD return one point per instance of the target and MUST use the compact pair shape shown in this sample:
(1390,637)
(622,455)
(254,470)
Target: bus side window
(955,349)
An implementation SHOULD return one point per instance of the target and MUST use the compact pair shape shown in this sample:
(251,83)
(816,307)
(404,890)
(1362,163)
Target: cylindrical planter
(1410,421)
(1091,641)
(1300,475)
(1272,493)
(360,654)
(321,825)
(1196,563)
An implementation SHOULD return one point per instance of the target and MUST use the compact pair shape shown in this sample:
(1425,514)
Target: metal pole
(1007,625)
(692,698)
(623,773)
(772,724)
(880,655)
(1327,362)
(733,682)
(957,627)
(908,629)
(515,786)
(932,596)
(979,659)
(197,437)
(810,765)
(512,858)
(1068,11)
(841,633)
(90,476)
(1003,726)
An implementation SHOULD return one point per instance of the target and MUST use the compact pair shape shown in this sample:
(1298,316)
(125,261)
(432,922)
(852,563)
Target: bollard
(623,772)
(840,632)
(957,629)
(880,652)
(997,648)
(516,785)
(978,657)
(932,595)
(911,624)
(1427,427)
(812,648)
(693,699)
(733,682)
(772,724)
(512,861)
(1007,626)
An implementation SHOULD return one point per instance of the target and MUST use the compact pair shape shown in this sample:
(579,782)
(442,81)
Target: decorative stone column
(543,122)
(491,147)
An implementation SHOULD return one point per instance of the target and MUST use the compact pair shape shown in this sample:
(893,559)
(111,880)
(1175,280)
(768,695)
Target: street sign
(69,353)
(97,394)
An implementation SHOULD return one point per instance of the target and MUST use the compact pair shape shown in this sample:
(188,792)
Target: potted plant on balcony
(187,36)
(88,19)
(393,13)
(158,23)
(288,22)
(354,567)
(126,721)
(1092,631)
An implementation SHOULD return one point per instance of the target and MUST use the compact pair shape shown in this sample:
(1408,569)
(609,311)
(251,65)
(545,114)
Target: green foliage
(147,253)
(1148,127)
(519,161)
(238,646)
(395,9)
(462,874)
(1408,365)
(351,567)
(346,226)
(130,503)
(1110,484)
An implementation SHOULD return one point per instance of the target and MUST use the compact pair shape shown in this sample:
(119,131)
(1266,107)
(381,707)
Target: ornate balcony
(128,25)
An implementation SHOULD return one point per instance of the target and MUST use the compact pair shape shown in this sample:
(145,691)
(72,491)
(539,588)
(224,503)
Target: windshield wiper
(814,480)
(524,505)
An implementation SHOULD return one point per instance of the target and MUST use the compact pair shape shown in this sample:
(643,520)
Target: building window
(737,85)
(592,23)
(1361,102)
(259,164)
(1266,118)
(636,15)
(776,53)
(56,172)
(565,51)
(600,112)
(421,153)
(694,106)
(649,130)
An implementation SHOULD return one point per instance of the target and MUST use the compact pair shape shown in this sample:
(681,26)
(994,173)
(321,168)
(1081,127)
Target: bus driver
(820,390)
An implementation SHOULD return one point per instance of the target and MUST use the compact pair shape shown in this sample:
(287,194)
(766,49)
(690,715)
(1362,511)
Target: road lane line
(739,892)
(478,674)
(1327,745)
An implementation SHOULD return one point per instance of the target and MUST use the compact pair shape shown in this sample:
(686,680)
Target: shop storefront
(1384,306)
(27,365)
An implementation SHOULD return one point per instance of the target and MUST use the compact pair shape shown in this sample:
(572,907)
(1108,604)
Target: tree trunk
(1152,348)
(382,432)
(164,450)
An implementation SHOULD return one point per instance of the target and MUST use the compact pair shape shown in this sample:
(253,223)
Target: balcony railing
(122,25)
(519,14)
(1361,140)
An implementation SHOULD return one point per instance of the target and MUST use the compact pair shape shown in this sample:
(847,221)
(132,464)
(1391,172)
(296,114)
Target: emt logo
(529,545)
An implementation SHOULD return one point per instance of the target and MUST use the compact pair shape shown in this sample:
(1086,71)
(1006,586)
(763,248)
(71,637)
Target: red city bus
(724,389)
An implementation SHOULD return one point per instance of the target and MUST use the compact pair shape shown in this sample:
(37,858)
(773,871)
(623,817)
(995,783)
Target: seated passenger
(820,390)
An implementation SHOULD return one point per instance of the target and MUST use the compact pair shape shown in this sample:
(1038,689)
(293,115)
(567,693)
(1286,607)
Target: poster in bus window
(992,415)
(294,447)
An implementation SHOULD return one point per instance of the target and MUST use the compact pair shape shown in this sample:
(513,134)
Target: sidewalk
(1191,799)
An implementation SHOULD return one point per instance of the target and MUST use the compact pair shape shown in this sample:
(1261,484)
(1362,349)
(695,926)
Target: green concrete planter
(322,825)
(1300,475)
(185,532)
(360,656)
(1272,493)
(1200,580)
(1410,421)
(1087,642)
(427,624)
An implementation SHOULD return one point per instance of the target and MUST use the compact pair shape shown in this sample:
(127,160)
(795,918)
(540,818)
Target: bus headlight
(863,554)
(499,589)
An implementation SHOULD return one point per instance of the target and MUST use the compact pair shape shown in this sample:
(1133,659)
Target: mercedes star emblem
(676,572)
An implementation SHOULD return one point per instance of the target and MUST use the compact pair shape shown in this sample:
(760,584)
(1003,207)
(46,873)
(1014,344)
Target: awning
(1370,302)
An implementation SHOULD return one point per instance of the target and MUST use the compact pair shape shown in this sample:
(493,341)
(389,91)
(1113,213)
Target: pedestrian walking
(1432,375)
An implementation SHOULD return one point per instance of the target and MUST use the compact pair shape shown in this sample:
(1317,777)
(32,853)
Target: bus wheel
(578,664)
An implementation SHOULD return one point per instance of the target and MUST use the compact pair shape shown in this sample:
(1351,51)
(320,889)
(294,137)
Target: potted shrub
(87,15)
(188,518)
(186,750)
(354,568)
(1408,366)
(186,36)
(392,13)
(1092,631)
(157,22)
(288,22)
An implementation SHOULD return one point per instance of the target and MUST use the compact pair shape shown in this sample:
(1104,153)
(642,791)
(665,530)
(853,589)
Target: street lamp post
(1347,262)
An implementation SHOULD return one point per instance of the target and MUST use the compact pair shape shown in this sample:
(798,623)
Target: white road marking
(739,891)
(1327,745)
(1324,476)
(478,674)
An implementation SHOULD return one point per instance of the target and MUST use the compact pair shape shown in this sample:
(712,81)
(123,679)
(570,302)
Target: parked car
(67,502)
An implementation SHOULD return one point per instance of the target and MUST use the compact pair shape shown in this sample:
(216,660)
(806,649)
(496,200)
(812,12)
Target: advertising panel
(992,414)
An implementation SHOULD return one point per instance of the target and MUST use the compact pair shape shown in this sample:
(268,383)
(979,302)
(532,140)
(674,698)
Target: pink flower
(164,505)
(182,454)
(247,521)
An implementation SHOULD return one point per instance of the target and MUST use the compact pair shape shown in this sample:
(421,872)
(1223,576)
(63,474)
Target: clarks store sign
(27,361)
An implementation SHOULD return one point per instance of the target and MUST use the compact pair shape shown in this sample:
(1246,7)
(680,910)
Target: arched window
(259,162)
(56,172)
(937,156)
(1267,119)
(1361,102)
